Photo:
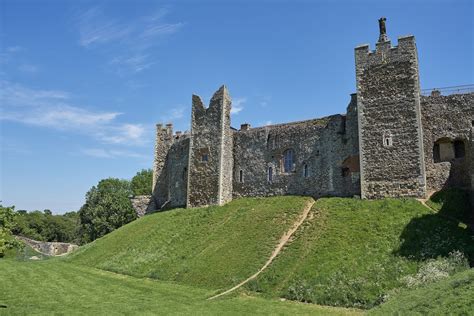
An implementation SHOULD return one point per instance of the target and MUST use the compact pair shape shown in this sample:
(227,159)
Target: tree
(107,208)
(142,182)
(7,222)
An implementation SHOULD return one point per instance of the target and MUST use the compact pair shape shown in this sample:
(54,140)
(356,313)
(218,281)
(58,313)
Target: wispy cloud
(55,109)
(265,101)
(28,68)
(132,39)
(173,114)
(237,105)
(111,153)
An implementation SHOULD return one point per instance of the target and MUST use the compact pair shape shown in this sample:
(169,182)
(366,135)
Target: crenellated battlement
(391,142)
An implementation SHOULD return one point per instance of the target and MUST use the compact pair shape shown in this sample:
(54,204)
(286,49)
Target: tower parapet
(210,151)
(390,132)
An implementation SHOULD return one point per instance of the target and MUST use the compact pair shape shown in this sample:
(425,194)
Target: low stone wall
(49,248)
(142,204)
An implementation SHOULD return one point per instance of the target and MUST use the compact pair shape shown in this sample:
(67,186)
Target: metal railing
(468,88)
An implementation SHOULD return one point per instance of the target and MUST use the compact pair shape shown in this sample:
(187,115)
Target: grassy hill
(54,287)
(348,253)
(353,252)
(214,247)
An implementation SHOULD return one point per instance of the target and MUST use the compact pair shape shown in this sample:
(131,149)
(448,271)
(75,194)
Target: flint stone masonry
(449,118)
(49,248)
(142,204)
(383,146)
(388,95)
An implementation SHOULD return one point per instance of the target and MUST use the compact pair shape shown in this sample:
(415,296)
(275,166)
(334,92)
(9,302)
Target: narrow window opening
(387,140)
(241,176)
(204,158)
(305,171)
(436,153)
(345,172)
(185,173)
(270,174)
(288,160)
(459,149)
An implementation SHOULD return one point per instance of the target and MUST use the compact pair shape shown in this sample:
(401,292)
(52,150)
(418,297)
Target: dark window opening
(305,171)
(270,174)
(345,171)
(185,173)
(205,158)
(459,149)
(288,160)
(436,153)
(241,176)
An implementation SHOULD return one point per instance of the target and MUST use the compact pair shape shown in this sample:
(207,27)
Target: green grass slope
(54,287)
(213,247)
(450,296)
(353,252)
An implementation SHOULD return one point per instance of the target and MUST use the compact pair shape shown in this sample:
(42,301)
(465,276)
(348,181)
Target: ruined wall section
(322,145)
(210,152)
(171,182)
(450,118)
(390,134)
(164,140)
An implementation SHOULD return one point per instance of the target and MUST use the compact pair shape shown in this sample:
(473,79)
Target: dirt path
(283,240)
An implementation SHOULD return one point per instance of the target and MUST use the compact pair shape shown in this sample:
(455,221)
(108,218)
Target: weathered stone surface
(449,118)
(143,204)
(49,248)
(210,153)
(384,146)
(390,132)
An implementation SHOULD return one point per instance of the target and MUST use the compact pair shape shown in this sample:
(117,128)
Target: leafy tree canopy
(107,208)
(7,222)
(142,182)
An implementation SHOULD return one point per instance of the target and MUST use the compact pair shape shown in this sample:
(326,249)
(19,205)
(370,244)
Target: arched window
(241,176)
(305,171)
(288,160)
(270,174)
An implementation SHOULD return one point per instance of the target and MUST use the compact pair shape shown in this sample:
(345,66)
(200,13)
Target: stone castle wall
(210,154)
(447,118)
(390,135)
(320,148)
(392,142)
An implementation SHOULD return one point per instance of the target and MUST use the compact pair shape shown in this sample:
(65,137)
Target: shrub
(437,269)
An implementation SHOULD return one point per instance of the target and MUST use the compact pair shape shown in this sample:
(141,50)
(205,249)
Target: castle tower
(390,132)
(164,140)
(210,152)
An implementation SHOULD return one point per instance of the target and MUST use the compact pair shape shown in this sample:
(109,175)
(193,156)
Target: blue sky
(82,83)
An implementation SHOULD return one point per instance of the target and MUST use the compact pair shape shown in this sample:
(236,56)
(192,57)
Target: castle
(393,141)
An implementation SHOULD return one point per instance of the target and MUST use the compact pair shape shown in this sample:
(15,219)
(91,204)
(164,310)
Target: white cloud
(54,109)
(132,39)
(173,114)
(237,105)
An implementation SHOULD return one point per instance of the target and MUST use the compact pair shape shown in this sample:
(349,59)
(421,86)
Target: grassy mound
(450,296)
(54,287)
(353,252)
(214,247)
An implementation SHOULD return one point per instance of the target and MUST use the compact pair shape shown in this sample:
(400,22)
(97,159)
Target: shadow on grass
(436,235)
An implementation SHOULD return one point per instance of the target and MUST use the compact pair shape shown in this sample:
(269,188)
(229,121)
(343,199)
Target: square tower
(390,131)
(210,152)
